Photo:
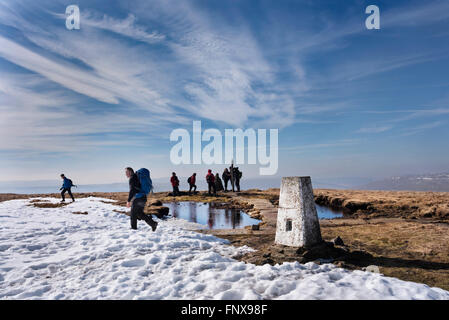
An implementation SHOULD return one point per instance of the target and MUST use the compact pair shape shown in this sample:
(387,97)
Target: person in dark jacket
(210,178)
(192,181)
(175,184)
(226,176)
(66,187)
(137,204)
(218,183)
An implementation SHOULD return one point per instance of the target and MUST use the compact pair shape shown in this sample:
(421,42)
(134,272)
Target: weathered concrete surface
(297,211)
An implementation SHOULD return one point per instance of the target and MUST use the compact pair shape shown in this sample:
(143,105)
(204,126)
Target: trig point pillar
(297,220)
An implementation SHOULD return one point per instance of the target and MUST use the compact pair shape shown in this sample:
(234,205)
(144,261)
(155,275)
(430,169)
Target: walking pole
(232,175)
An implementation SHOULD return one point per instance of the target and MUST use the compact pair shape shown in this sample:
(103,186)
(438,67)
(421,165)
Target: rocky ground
(404,234)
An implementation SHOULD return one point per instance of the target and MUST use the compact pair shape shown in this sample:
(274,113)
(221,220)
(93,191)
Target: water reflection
(327,213)
(211,215)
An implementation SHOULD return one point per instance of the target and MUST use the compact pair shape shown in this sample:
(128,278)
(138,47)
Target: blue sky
(348,102)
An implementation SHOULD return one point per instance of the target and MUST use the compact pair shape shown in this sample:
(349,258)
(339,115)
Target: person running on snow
(211,181)
(137,202)
(175,184)
(191,181)
(66,187)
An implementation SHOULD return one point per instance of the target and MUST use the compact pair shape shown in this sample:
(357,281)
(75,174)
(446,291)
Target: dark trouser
(194,188)
(70,194)
(175,190)
(137,206)
(212,186)
(226,184)
(237,184)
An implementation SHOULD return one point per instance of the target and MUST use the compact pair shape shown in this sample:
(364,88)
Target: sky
(347,101)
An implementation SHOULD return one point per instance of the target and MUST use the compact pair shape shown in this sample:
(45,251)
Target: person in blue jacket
(66,187)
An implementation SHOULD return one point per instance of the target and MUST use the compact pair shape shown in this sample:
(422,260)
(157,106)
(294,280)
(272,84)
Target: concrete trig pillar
(297,220)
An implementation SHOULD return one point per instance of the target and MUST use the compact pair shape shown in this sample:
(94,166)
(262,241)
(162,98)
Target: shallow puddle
(327,213)
(213,216)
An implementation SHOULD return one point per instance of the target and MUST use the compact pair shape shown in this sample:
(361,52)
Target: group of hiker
(140,185)
(214,182)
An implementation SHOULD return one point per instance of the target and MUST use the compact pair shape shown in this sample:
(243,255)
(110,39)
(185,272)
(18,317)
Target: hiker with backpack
(175,184)
(211,182)
(66,187)
(191,181)
(140,185)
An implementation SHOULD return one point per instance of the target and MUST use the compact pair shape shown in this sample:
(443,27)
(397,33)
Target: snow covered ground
(50,253)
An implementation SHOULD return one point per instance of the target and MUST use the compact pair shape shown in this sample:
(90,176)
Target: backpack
(237,173)
(188,180)
(71,184)
(210,178)
(146,185)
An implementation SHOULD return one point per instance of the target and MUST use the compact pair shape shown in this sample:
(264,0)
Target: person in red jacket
(210,178)
(192,181)
(175,184)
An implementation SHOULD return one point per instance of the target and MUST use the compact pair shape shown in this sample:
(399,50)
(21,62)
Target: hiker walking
(226,177)
(191,181)
(175,184)
(218,183)
(210,182)
(140,185)
(66,187)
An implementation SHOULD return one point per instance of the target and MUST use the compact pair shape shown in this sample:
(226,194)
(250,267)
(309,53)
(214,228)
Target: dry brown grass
(46,204)
(410,250)
(407,204)
(366,204)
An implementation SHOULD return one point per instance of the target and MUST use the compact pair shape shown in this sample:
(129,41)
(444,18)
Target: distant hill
(163,184)
(438,182)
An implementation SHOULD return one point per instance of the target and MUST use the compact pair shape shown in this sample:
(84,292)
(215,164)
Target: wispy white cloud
(126,27)
(418,129)
(330,144)
(420,113)
(413,15)
(376,129)
(190,64)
